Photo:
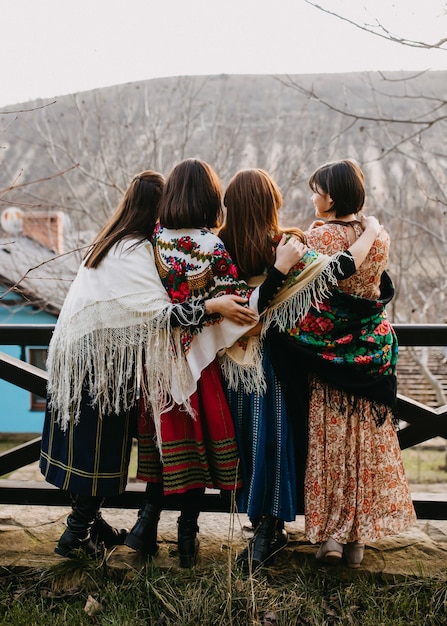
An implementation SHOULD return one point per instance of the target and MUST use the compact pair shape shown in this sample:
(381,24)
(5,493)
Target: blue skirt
(90,458)
(266,449)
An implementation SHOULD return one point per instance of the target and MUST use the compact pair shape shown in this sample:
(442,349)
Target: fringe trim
(118,366)
(289,312)
(250,376)
(350,404)
(242,368)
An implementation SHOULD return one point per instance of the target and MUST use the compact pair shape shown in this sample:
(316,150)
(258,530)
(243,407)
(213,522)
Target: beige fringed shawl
(113,335)
(308,284)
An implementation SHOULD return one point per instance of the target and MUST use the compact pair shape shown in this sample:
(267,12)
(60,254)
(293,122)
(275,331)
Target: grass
(9,441)
(217,595)
(302,594)
(425,464)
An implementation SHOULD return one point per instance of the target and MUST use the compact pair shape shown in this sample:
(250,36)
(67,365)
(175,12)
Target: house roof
(41,275)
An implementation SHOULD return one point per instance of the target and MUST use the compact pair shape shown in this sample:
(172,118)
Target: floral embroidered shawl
(194,263)
(349,343)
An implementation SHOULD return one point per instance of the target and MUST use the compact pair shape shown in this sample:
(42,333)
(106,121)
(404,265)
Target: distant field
(423,464)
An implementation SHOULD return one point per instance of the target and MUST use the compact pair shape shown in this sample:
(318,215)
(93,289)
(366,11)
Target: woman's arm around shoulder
(360,248)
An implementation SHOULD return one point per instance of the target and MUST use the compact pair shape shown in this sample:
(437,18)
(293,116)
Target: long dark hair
(135,216)
(192,197)
(251,231)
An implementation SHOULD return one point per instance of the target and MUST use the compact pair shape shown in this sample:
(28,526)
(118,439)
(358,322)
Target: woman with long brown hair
(192,445)
(114,339)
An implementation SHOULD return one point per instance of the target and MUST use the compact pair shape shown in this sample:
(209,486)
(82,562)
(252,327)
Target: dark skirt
(266,448)
(90,458)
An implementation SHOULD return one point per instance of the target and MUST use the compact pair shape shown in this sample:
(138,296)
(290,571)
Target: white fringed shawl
(113,335)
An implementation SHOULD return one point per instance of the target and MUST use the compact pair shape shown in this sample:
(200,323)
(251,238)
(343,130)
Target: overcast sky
(54,47)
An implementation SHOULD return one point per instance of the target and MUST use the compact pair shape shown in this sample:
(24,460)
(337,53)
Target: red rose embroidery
(382,329)
(345,339)
(222,267)
(181,294)
(363,360)
(185,244)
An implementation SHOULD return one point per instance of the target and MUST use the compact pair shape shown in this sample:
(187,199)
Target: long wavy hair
(251,231)
(135,216)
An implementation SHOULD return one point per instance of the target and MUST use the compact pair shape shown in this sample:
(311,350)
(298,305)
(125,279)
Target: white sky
(54,47)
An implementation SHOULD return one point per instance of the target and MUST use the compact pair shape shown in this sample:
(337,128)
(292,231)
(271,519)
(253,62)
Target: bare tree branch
(34,108)
(290,82)
(385,33)
(15,185)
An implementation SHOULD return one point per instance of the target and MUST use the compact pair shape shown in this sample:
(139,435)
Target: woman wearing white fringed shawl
(118,337)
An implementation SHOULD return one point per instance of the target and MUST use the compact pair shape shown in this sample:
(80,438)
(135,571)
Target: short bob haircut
(345,184)
(192,197)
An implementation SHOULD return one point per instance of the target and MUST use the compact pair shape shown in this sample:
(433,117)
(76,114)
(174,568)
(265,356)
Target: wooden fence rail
(422,423)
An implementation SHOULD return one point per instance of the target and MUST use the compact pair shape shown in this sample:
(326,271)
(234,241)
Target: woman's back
(335,236)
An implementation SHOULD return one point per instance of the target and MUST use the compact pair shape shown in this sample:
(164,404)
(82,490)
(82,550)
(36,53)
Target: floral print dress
(355,483)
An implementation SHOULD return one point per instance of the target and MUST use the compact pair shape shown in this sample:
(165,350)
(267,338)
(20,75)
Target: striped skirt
(199,452)
(90,458)
(267,450)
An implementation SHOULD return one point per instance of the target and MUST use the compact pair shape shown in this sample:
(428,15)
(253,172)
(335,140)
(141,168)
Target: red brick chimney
(46,228)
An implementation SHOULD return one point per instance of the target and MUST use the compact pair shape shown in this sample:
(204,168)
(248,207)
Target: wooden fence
(422,423)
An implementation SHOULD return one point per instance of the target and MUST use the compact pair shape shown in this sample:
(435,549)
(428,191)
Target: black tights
(189,503)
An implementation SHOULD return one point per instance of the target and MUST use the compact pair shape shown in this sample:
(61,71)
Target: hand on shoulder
(289,253)
(316,224)
(369,222)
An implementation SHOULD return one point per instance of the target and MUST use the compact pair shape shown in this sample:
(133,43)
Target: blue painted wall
(16,415)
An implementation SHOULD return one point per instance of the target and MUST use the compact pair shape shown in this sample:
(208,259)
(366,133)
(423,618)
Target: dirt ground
(28,536)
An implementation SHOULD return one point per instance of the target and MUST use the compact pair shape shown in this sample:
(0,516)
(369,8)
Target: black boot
(143,536)
(188,544)
(101,531)
(269,538)
(76,539)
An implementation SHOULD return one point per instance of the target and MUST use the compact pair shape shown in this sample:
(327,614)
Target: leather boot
(101,531)
(143,536)
(188,544)
(269,538)
(76,538)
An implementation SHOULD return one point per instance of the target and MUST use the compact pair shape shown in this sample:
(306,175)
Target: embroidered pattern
(194,264)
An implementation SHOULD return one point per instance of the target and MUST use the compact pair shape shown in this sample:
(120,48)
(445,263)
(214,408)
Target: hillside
(287,125)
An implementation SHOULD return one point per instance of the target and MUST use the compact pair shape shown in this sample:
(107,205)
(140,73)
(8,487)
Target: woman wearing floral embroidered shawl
(355,485)
(192,445)
(116,337)
(268,441)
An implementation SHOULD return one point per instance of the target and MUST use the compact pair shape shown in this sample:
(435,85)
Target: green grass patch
(217,595)
(425,464)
